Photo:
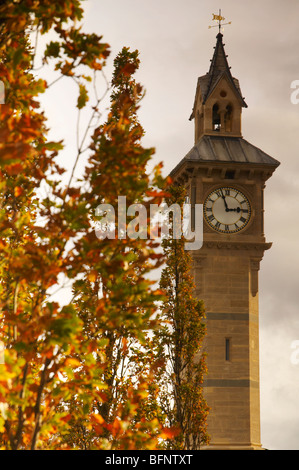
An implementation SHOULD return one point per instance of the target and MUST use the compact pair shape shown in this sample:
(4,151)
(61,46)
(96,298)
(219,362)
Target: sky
(262,43)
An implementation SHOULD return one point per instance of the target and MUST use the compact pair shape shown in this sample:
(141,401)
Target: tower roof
(226,150)
(219,67)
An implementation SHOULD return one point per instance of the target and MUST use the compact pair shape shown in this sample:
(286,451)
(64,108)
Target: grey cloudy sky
(262,44)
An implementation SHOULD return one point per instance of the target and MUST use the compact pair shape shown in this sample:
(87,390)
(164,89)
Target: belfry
(227,175)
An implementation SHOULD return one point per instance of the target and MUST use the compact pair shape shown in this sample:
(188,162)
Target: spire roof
(219,61)
(219,67)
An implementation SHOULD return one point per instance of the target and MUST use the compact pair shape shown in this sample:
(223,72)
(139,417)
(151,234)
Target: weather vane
(219,18)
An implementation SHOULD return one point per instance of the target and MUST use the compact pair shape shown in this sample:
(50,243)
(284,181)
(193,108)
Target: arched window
(199,124)
(228,118)
(216,118)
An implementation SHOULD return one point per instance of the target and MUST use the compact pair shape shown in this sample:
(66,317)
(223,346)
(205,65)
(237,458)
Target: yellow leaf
(72,362)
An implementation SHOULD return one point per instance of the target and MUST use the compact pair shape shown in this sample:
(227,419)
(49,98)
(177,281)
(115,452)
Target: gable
(225,84)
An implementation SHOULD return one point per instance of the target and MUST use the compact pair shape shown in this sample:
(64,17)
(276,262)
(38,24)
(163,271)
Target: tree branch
(37,410)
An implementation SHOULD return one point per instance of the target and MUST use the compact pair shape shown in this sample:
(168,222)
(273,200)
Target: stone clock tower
(227,174)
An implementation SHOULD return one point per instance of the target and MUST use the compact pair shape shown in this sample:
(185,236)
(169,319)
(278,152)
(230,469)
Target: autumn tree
(116,301)
(181,342)
(62,361)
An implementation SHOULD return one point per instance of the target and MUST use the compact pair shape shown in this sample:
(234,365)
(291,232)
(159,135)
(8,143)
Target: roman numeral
(243,220)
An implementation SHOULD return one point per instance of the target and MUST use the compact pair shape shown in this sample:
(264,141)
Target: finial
(219,18)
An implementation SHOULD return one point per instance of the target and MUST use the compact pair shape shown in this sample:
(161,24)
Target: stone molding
(223,245)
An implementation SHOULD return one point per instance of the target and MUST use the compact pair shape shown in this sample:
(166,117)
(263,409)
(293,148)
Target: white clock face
(227,210)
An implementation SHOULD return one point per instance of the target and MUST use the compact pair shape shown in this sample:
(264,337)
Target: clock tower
(227,175)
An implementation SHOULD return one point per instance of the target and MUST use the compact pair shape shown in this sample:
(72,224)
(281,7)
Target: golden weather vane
(219,18)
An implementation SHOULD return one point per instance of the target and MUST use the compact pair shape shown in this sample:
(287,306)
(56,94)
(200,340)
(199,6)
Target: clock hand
(225,203)
(236,209)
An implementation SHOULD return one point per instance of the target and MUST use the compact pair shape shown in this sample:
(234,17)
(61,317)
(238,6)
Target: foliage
(63,383)
(181,342)
(90,372)
(115,301)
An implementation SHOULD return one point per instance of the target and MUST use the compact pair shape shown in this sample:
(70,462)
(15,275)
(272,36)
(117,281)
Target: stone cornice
(228,245)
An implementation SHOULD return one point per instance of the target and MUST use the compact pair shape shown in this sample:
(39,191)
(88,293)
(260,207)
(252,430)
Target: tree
(181,341)
(60,356)
(115,300)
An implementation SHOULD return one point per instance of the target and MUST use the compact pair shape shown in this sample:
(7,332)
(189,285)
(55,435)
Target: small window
(199,124)
(193,195)
(227,349)
(216,118)
(193,202)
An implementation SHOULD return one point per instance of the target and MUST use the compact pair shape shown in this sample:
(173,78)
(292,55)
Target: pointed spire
(207,83)
(219,60)
(219,67)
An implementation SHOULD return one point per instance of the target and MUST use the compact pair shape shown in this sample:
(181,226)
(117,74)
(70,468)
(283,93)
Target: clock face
(227,210)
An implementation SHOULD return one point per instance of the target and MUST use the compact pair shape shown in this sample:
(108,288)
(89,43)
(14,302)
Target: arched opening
(216,118)
(228,118)
(199,125)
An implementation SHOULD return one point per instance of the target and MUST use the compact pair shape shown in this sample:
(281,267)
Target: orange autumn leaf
(169,433)
(18,191)
(72,362)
